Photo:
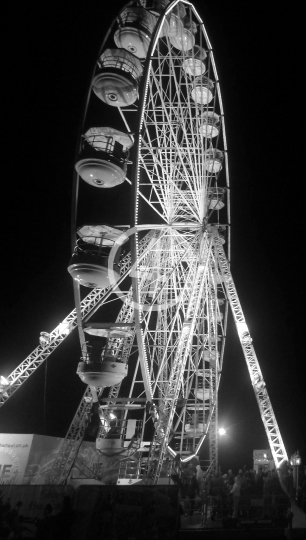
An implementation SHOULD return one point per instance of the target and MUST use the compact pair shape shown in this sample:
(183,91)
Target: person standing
(236,491)
(45,525)
(190,487)
(217,491)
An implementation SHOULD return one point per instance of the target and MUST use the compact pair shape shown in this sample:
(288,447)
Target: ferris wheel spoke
(173,386)
(179,199)
(176,322)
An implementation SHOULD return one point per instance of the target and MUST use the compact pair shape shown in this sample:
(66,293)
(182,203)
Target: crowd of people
(240,494)
(233,495)
(14,525)
(11,521)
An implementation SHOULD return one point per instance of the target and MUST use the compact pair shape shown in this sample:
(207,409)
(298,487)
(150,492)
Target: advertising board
(264,459)
(14,455)
(43,452)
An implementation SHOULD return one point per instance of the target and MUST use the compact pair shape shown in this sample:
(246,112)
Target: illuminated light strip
(197,15)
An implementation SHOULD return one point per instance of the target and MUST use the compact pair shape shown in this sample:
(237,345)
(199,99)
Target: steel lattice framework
(56,337)
(89,305)
(268,417)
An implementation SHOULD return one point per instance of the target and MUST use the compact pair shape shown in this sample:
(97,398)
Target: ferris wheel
(162,83)
(152,294)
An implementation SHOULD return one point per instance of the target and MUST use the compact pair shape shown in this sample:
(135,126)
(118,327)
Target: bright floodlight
(63,328)
(4,381)
(222,431)
(242,328)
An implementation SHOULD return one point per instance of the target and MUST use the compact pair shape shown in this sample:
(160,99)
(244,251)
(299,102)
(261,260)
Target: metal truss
(75,434)
(69,450)
(88,306)
(55,338)
(215,368)
(267,414)
(213,438)
(64,461)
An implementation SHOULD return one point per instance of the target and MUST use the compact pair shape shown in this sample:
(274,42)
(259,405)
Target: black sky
(48,53)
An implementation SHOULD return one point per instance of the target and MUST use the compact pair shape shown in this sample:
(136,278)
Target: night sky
(48,53)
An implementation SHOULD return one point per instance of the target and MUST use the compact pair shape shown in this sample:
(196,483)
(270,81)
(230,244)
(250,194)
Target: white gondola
(203,89)
(194,65)
(215,196)
(175,20)
(104,156)
(90,269)
(99,234)
(89,263)
(202,394)
(210,125)
(194,430)
(115,333)
(210,356)
(118,79)
(136,26)
(182,37)
(105,373)
(213,160)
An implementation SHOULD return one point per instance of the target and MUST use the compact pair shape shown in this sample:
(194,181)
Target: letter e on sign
(6,471)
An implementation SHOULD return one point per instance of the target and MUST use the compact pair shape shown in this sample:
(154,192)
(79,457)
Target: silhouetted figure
(189,488)
(45,525)
(217,491)
(7,505)
(64,520)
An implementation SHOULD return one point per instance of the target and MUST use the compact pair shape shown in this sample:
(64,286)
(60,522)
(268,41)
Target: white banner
(14,454)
